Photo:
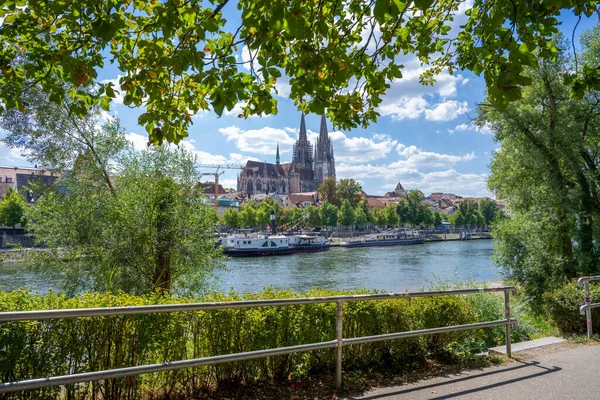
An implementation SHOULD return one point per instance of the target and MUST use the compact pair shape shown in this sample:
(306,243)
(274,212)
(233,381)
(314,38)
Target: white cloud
(12,156)
(357,149)
(237,110)
(418,169)
(283,87)
(403,108)
(409,166)
(228,183)
(451,181)
(486,129)
(415,158)
(447,111)
(261,141)
(140,142)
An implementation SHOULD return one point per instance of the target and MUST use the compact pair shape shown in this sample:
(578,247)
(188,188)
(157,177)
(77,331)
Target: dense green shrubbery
(562,306)
(54,347)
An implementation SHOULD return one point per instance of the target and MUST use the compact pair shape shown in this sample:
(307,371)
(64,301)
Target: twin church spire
(319,158)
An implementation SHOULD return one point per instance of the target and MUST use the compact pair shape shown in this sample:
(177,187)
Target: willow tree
(179,57)
(152,231)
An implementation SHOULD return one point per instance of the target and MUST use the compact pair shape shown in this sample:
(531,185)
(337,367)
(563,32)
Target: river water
(384,268)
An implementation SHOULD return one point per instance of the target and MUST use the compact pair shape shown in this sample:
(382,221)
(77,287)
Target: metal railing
(338,343)
(586,309)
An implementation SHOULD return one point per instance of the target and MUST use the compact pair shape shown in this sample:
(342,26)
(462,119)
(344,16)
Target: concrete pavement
(564,371)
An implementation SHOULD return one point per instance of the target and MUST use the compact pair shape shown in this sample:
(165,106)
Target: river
(384,268)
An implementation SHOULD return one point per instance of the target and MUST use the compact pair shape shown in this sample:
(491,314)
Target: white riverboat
(384,239)
(255,245)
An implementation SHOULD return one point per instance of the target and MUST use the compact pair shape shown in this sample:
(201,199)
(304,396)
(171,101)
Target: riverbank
(16,255)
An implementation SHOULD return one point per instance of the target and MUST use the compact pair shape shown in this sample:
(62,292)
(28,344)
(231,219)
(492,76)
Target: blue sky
(423,138)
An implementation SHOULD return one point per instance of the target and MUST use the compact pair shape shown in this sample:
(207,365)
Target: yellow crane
(217,174)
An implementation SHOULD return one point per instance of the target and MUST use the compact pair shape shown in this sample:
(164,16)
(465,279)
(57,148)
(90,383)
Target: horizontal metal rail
(588,306)
(339,343)
(431,331)
(162,308)
(168,366)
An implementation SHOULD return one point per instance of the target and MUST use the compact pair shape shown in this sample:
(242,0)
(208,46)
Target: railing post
(339,337)
(588,310)
(508,322)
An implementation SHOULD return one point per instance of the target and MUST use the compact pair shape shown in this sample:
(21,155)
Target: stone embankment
(440,237)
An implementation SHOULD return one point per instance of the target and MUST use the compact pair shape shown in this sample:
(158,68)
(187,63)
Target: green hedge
(562,305)
(55,347)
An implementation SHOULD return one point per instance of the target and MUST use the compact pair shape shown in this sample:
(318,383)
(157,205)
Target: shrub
(32,349)
(562,305)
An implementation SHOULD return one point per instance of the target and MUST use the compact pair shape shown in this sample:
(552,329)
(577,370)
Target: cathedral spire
(303,150)
(323,130)
(277,156)
(302,138)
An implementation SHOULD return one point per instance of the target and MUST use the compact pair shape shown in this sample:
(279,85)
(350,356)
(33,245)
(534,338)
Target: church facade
(309,167)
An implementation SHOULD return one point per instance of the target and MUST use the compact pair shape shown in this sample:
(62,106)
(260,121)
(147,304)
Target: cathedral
(305,173)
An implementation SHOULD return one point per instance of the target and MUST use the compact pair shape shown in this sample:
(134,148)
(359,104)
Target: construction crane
(217,174)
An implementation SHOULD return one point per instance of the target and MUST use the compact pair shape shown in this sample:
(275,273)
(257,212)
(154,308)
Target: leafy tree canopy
(329,214)
(547,169)
(349,190)
(488,209)
(179,57)
(328,191)
(12,208)
(346,214)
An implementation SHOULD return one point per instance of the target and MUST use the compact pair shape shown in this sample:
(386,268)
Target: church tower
(277,160)
(324,160)
(303,151)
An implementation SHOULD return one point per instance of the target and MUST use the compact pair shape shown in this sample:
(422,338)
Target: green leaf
(512,93)
(423,4)
(381,8)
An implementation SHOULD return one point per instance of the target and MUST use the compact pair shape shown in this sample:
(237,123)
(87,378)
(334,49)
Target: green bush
(33,349)
(562,305)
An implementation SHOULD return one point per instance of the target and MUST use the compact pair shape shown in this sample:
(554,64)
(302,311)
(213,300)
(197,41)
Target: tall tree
(231,218)
(177,58)
(364,205)
(378,217)
(346,214)
(328,191)
(546,168)
(467,211)
(390,215)
(154,232)
(410,210)
(360,218)
(55,139)
(349,190)
(12,209)
(329,214)
(295,217)
(248,217)
(313,217)
(488,209)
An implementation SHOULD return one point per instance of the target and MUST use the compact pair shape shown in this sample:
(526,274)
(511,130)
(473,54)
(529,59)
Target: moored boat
(384,239)
(256,245)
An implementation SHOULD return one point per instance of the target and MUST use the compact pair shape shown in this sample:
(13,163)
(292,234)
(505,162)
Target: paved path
(556,372)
